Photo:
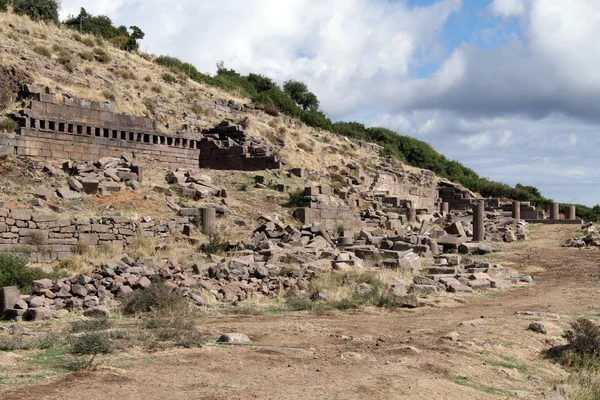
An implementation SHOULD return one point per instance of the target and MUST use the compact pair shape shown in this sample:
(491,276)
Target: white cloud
(507,8)
(501,111)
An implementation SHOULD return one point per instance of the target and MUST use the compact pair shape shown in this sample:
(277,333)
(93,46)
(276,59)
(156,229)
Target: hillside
(165,89)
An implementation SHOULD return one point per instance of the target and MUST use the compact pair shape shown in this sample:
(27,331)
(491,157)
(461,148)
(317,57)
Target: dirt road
(372,354)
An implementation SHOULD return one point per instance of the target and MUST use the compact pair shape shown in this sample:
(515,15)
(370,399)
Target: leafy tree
(101,25)
(298,91)
(37,10)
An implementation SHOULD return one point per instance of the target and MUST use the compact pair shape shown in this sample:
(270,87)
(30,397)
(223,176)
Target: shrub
(108,95)
(216,244)
(156,298)
(18,342)
(89,70)
(150,104)
(101,55)
(147,78)
(145,56)
(8,124)
(179,331)
(296,198)
(77,37)
(37,10)
(87,55)
(15,272)
(91,325)
(89,42)
(63,57)
(91,344)
(43,51)
(169,78)
(124,74)
(584,338)
(156,89)
(56,48)
(303,146)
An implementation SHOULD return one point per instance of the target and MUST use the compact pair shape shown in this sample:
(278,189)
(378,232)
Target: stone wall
(85,131)
(401,194)
(329,217)
(52,237)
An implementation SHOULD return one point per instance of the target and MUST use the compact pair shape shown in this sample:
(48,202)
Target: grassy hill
(102,67)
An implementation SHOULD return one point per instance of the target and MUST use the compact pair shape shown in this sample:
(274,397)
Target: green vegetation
(102,26)
(15,272)
(296,198)
(91,343)
(10,125)
(43,51)
(37,10)
(294,99)
(582,356)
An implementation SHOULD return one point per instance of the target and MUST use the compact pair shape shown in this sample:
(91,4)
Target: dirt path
(373,354)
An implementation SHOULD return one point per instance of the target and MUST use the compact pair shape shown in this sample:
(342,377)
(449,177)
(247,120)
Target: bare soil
(363,354)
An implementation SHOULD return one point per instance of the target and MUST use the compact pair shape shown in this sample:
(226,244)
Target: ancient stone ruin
(83,130)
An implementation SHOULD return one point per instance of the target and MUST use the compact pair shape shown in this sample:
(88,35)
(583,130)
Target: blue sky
(509,88)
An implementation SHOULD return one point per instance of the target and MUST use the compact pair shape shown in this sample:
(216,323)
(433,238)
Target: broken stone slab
(67,194)
(37,314)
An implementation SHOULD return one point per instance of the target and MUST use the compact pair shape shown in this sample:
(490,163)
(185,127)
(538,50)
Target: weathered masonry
(83,130)
(52,237)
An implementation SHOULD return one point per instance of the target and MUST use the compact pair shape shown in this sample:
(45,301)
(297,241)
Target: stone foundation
(52,237)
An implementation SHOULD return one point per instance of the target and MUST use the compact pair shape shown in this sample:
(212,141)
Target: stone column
(571,212)
(554,211)
(412,215)
(478,221)
(209,217)
(444,208)
(516,210)
(434,247)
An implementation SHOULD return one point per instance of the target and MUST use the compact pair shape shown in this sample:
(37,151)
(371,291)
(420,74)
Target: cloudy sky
(510,88)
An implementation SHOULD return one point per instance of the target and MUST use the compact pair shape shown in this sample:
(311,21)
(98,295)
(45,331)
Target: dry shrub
(142,246)
(156,298)
(108,95)
(43,51)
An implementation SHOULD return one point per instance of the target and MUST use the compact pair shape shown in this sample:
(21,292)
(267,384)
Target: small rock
(453,336)
(537,327)
(234,338)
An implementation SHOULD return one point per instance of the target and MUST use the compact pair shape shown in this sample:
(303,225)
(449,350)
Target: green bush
(584,338)
(169,78)
(87,56)
(43,51)
(101,55)
(37,10)
(156,298)
(15,272)
(108,95)
(296,198)
(3,5)
(91,344)
(8,124)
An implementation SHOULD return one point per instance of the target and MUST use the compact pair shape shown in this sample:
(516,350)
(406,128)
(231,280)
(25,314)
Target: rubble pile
(193,184)
(590,238)
(102,177)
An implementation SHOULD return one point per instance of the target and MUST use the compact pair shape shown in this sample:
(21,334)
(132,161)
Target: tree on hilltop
(37,10)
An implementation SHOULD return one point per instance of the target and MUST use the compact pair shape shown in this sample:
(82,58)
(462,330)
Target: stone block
(9,296)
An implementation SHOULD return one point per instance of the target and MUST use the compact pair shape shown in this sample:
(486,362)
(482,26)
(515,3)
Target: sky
(510,88)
